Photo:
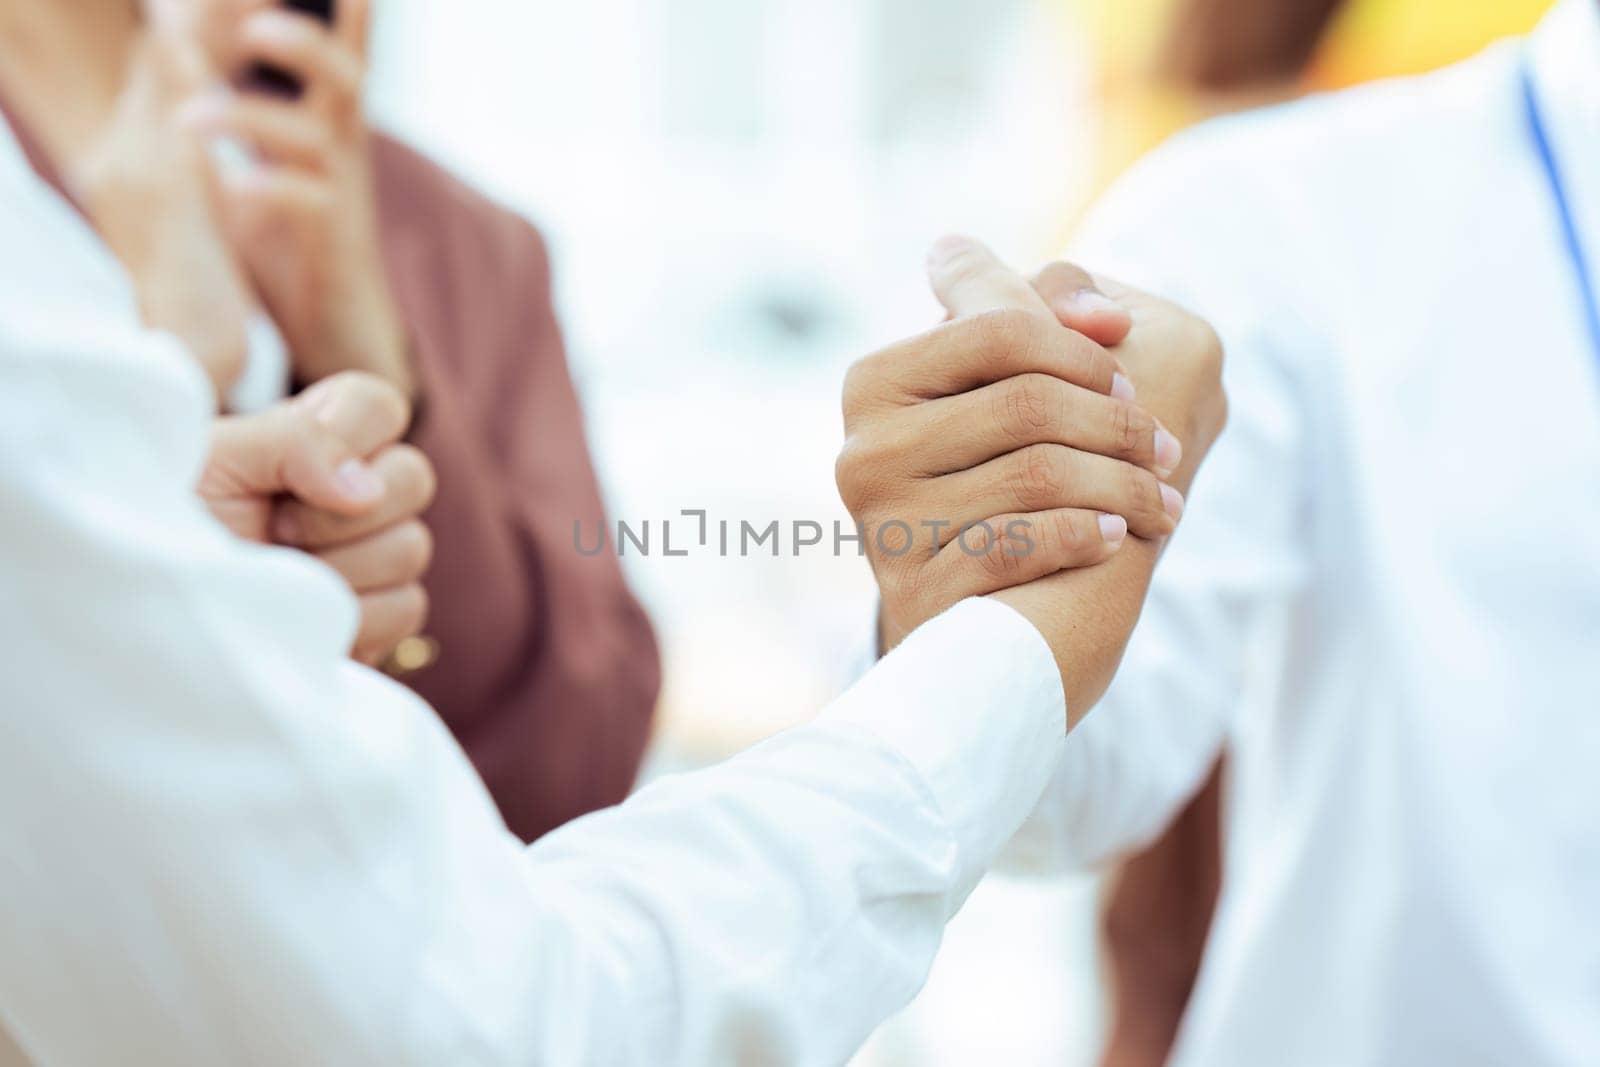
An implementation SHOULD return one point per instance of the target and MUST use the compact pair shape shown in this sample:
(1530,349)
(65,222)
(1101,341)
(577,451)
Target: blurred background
(739,195)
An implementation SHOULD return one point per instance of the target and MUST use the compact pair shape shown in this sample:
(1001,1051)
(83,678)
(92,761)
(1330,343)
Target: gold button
(412,655)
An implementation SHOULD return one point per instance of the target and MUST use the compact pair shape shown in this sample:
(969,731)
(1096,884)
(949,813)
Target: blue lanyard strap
(1582,273)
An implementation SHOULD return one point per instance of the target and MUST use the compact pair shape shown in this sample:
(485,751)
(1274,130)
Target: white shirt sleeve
(225,843)
(1182,225)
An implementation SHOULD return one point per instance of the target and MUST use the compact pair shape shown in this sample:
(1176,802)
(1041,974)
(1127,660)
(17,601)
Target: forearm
(295,838)
(889,807)
(1104,604)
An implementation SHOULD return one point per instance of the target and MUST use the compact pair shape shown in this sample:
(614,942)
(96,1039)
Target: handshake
(1009,454)
(1006,453)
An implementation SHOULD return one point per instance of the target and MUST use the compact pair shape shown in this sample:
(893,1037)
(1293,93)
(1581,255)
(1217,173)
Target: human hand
(1175,358)
(146,186)
(322,472)
(1004,424)
(303,214)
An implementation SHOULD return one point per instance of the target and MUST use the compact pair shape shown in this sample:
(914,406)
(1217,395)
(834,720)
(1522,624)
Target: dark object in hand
(271,80)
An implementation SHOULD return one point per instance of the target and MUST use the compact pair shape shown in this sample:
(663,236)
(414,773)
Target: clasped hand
(326,472)
(1047,427)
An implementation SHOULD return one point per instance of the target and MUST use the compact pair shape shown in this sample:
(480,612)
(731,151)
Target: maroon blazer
(547,669)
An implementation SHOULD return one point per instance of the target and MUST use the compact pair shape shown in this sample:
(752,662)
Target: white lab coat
(1385,598)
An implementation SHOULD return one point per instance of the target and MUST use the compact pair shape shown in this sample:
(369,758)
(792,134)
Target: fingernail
(1172,501)
(1113,528)
(1122,388)
(947,248)
(207,109)
(1089,302)
(322,403)
(269,27)
(1169,450)
(285,530)
(358,481)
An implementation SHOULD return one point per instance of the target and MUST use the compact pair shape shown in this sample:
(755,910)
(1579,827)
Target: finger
(266,197)
(362,409)
(174,53)
(1080,305)
(388,617)
(261,203)
(969,280)
(279,133)
(1013,550)
(308,51)
(955,433)
(1048,477)
(285,450)
(970,353)
(209,27)
(353,24)
(409,486)
(394,557)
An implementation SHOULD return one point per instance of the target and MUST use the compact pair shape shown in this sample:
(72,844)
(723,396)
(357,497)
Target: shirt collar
(1565,53)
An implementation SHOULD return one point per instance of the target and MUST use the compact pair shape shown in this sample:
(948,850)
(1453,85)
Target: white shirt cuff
(974,701)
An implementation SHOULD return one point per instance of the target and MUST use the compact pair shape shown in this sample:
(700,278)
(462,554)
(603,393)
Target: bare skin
(951,398)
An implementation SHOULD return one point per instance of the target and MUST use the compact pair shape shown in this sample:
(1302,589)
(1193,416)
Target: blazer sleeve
(547,669)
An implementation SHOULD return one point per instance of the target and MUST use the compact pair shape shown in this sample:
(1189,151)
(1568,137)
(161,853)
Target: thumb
(1077,301)
(287,451)
(969,280)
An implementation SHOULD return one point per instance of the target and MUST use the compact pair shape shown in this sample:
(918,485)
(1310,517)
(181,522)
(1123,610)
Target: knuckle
(851,469)
(847,474)
(1039,478)
(1024,407)
(1142,491)
(420,484)
(1017,336)
(1003,558)
(1093,364)
(415,549)
(865,469)
(1069,536)
(391,405)
(862,383)
(1132,430)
